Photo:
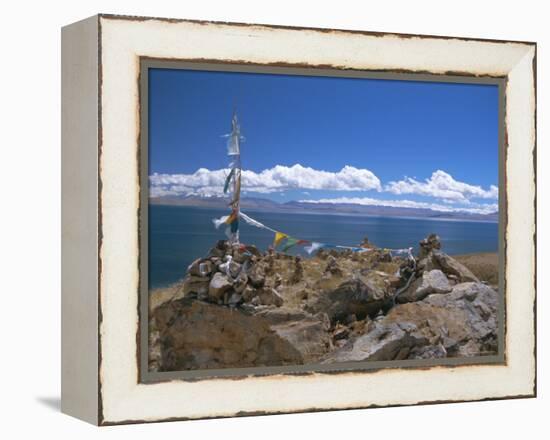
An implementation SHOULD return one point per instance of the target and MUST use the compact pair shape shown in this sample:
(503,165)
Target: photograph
(320,220)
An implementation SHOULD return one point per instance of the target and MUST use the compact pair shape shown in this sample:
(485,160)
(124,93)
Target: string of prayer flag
(279,236)
(228,180)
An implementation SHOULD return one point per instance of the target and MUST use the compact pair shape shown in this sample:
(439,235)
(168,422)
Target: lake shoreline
(314,211)
(179,235)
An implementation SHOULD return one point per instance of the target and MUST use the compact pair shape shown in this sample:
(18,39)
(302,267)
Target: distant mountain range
(259,204)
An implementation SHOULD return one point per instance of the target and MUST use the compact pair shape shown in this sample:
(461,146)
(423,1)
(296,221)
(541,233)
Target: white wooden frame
(101,194)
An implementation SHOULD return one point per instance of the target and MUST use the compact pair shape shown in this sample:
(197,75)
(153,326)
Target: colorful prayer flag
(232,218)
(279,236)
(218,221)
(227,180)
(290,242)
(314,247)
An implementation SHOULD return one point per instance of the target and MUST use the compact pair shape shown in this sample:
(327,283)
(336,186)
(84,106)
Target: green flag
(227,180)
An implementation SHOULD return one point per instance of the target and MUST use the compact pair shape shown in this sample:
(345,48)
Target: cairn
(232,275)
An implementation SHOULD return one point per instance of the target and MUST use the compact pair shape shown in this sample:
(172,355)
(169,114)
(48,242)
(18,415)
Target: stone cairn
(229,276)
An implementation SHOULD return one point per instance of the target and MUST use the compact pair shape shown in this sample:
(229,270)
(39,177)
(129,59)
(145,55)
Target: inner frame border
(145,63)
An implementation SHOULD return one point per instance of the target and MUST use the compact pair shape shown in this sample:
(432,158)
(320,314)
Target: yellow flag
(279,236)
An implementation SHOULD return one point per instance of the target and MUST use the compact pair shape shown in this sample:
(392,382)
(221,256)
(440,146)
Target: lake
(180,234)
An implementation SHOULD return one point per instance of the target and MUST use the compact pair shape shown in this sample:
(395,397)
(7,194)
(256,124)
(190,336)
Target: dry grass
(483,265)
(161,295)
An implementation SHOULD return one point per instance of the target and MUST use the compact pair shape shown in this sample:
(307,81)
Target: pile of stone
(229,275)
(238,307)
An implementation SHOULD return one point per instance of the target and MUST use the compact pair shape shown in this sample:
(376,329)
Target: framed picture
(261,219)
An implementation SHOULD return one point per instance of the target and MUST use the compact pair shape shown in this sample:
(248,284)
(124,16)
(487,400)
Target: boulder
(220,250)
(194,285)
(392,341)
(234,299)
(428,352)
(253,250)
(268,297)
(218,286)
(200,268)
(248,293)
(195,334)
(464,320)
(452,267)
(256,276)
(358,296)
(234,268)
(433,281)
(240,282)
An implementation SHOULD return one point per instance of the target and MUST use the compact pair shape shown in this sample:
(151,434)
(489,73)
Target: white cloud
(443,186)
(449,194)
(276,179)
(472,208)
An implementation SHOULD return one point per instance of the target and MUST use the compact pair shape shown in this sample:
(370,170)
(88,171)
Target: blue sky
(329,139)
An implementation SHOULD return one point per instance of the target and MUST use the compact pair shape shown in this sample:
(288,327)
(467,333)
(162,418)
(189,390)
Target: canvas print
(299,220)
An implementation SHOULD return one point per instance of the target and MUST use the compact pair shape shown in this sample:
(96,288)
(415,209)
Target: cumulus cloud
(279,178)
(472,208)
(448,194)
(443,186)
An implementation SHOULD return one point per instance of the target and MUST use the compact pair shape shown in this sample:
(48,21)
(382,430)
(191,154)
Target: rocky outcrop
(433,281)
(195,334)
(359,296)
(238,307)
(387,341)
(449,266)
(463,321)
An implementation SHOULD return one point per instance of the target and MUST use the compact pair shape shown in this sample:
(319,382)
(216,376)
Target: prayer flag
(227,180)
(290,242)
(313,247)
(279,236)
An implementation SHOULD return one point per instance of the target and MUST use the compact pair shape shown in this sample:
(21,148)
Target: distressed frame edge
(128,17)
(79,301)
(102,421)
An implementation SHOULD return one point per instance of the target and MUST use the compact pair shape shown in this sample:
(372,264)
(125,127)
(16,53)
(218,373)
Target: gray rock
(196,335)
(428,352)
(253,250)
(385,342)
(308,336)
(240,282)
(269,297)
(428,244)
(332,266)
(193,285)
(219,285)
(451,266)
(200,268)
(464,320)
(433,281)
(234,299)
(352,297)
(256,276)
(234,268)
(248,293)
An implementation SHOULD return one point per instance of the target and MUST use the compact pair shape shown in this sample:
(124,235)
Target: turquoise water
(179,234)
